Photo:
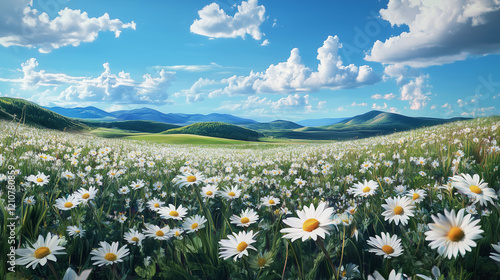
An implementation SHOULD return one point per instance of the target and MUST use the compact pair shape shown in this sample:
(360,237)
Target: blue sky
(265,60)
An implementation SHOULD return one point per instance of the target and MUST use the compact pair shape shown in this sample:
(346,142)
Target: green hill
(217,129)
(274,125)
(135,126)
(33,114)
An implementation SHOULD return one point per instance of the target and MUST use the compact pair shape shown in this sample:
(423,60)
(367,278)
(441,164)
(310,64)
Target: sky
(258,59)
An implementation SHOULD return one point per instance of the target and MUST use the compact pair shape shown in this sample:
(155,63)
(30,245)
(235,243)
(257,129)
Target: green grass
(184,139)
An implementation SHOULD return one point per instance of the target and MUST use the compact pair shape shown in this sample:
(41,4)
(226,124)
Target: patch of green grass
(183,139)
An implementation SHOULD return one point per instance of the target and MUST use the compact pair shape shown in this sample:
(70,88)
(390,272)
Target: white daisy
(67,203)
(86,195)
(109,254)
(365,189)
(231,193)
(416,195)
(134,237)
(496,256)
(310,223)
(270,201)
(158,233)
(237,245)
(452,234)
(177,232)
(386,245)
(171,212)
(245,219)
(155,204)
(189,179)
(209,191)
(398,209)
(75,231)
(194,223)
(474,187)
(392,276)
(43,250)
(30,200)
(40,179)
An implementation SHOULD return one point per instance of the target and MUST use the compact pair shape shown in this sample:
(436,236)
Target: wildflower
(43,250)
(385,245)
(67,203)
(134,237)
(189,179)
(270,201)
(158,233)
(171,212)
(209,191)
(364,189)
(75,231)
(194,223)
(237,245)
(245,219)
(474,187)
(310,224)
(231,193)
(398,209)
(40,179)
(109,254)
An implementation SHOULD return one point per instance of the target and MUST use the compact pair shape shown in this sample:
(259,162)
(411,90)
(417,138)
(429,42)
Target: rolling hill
(217,129)
(33,114)
(134,126)
(89,112)
(274,125)
(320,122)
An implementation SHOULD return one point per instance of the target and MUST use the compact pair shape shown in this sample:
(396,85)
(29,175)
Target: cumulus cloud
(215,23)
(416,93)
(440,32)
(293,102)
(387,96)
(293,76)
(190,68)
(118,88)
(354,104)
(21,25)
(265,42)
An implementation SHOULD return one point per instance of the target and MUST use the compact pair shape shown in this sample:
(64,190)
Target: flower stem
(327,256)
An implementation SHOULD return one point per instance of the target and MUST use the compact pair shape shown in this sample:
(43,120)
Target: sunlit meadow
(414,205)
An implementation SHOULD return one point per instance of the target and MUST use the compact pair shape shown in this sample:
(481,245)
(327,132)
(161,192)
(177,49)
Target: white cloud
(296,103)
(119,88)
(354,104)
(190,68)
(415,91)
(387,96)
(439,31)
(20,25)
(377,107)
(341,109)
(293,76)
(215,23)
(321,105)
(292,101)
(433,107)
(446,105)
(265,42)
(480,111)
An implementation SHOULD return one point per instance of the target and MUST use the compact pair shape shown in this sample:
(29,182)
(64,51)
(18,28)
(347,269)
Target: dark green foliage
(217,129)
(138,126)
(36,115)
(274,125)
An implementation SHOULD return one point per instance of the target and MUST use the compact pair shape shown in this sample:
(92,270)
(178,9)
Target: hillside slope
(274,125)
(217,129)
(36,115)
(137,126)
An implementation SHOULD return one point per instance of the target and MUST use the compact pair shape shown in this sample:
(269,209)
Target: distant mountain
(134,126)
(274,125)
(387,121)
(89,112)
(320,122)
(33,114)
(217,129)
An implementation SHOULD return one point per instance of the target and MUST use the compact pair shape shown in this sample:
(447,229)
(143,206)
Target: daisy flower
(231,193)
(155,204)
(137,184)
(417,196)
(398,209)
(262,260)
(123,190)
(474,187)
(67,203)
(270,201)
(85,195)
(177,232)
(30,200)
(40,179)
(75,231)
(310,223)
(209,191)
(134,237)
(43,250)
(365,189)
(171,212)
(452,234)
(392,276)
(245,219)
(190,178)
(67,175)
(194,223)
(158,233)
(237,245)
(386,246)
(496,256)
(109,254)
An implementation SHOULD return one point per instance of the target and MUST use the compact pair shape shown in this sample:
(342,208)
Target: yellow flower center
(242,246)
(387,249)
(261,262)
(68,204)
(310,225)
(42,252)
(77,231)
(135,239)
(86,196)
(456,234)
(110,257)
(195,225)
(245,220)
(191,178)
(415,196)
(156,205)
(366,189)
(475,189)
(271,201)
(39,180)
(209,193)
(231,194)
(344,273)
(398,210)
(174,213)
(160,233)
(177,233)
